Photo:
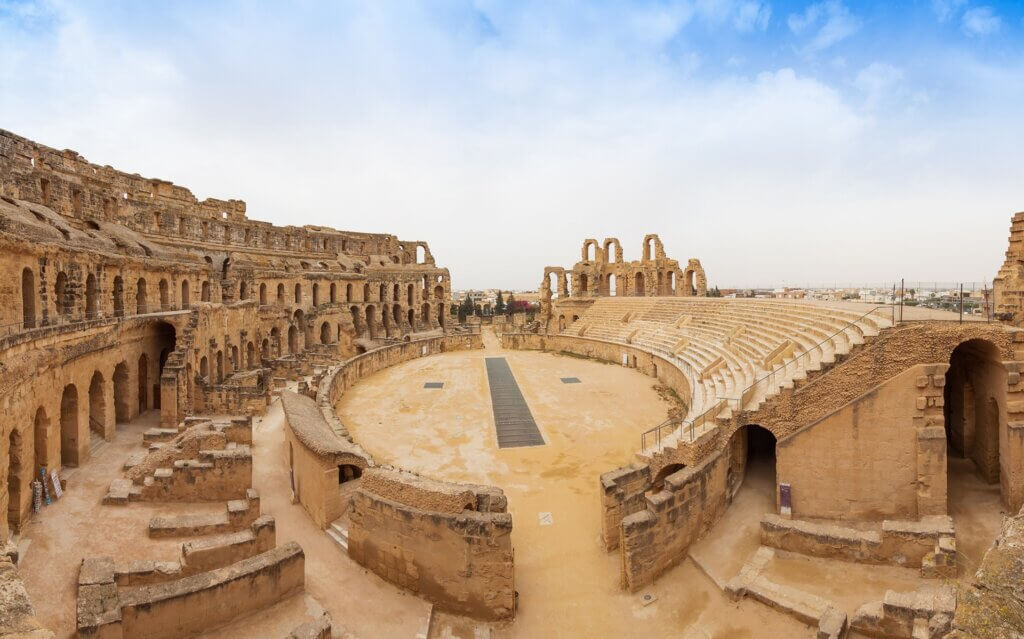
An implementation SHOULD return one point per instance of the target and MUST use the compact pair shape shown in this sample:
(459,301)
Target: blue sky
(779,142)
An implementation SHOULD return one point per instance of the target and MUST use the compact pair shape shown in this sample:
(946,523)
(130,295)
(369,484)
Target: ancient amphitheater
(216,427)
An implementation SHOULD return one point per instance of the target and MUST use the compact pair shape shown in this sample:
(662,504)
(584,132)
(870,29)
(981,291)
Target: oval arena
(217,427)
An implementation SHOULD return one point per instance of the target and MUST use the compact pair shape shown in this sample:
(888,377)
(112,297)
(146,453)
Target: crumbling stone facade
(602,272)
(122,294)
(1008,286)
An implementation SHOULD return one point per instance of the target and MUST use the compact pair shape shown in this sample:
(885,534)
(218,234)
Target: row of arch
(395,318)
(385,292)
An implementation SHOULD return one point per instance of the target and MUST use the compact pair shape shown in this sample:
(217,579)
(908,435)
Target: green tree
(499,305)
(511,308)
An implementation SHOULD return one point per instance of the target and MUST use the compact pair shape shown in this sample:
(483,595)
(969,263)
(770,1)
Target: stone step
(339,534)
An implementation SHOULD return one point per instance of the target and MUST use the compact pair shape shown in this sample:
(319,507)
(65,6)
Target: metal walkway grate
(570,380)
(434,385)
(512,418)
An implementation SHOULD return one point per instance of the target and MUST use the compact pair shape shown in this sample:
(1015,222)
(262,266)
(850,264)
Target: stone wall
(896,426)
(189,606)
(315,455)
(657,537)
(461,560)
(121,294)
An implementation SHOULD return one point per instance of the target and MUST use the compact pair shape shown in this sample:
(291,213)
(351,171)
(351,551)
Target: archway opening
(220,367)
(325,333)
(165,301)
(186,302)
(658,483)
(298,293)
(348,472)
(293,340)
(60,295)
(974,412)
(118,297)
(263,294)
(583,284)
(371,322)
(28,298)
(411,316)
(122,406)
(275,338)
(611,285)
(91,295)
(250,355)
(440,315)
(280,294)
(638,288)
(69,426)
(140,297)
(205,291)
(97,405)
(752,466)
(316,294)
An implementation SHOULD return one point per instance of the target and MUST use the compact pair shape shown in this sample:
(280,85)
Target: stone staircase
(338,534)
(203,479)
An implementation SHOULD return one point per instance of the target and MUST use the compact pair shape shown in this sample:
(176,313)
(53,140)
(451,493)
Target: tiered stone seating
(741,351)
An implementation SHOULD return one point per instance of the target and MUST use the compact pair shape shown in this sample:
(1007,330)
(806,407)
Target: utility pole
(901,298)
(961,303)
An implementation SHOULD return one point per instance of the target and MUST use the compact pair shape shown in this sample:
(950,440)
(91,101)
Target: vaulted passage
(512,418)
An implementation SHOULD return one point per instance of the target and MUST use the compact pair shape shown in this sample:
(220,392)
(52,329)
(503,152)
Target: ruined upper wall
(1009,283)
(68,184)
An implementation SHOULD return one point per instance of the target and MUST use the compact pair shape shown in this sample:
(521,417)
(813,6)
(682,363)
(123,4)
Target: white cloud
(752,15)
(946,9)
(980,21)
(876,81)
(835,20)
(504,149)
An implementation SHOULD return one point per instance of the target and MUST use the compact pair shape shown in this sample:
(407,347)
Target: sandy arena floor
(568,584)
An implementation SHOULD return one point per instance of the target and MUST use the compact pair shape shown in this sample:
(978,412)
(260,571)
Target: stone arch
(143,382)
(293,340)
(165,301)
(371,321)
(243,290)
(561,323)
(357,320)
(397,293)
(653,248)
(366,292)
(585,251)
(441,319)
(28,298)
(263,294)
(205,291)
(583,284)
(611,241)
(60,294)
(411,316)
(69,426)
(410,297)
(316,294)
(186,300)
(334,293)
(141,303)
(250,355)
(753,460)
(280,293)
(439,292)
(91,297)
(975,413)
(658,483)
(325,333)
(638,284)
(118,294)
(265,348)
(204,368)
(298,293)
(220,367)
(348,472)
(348,292)
(612,288)
(235,362)
(97,404)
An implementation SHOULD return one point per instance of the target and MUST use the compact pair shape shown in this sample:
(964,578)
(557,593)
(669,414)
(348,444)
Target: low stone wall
(657,537)
(315,453)
(185,607)
(896,543)
(459,559)
(622,494)
(202,555)
(900,614)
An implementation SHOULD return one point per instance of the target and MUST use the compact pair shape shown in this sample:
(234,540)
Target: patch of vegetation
(677,407)
(587,357)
